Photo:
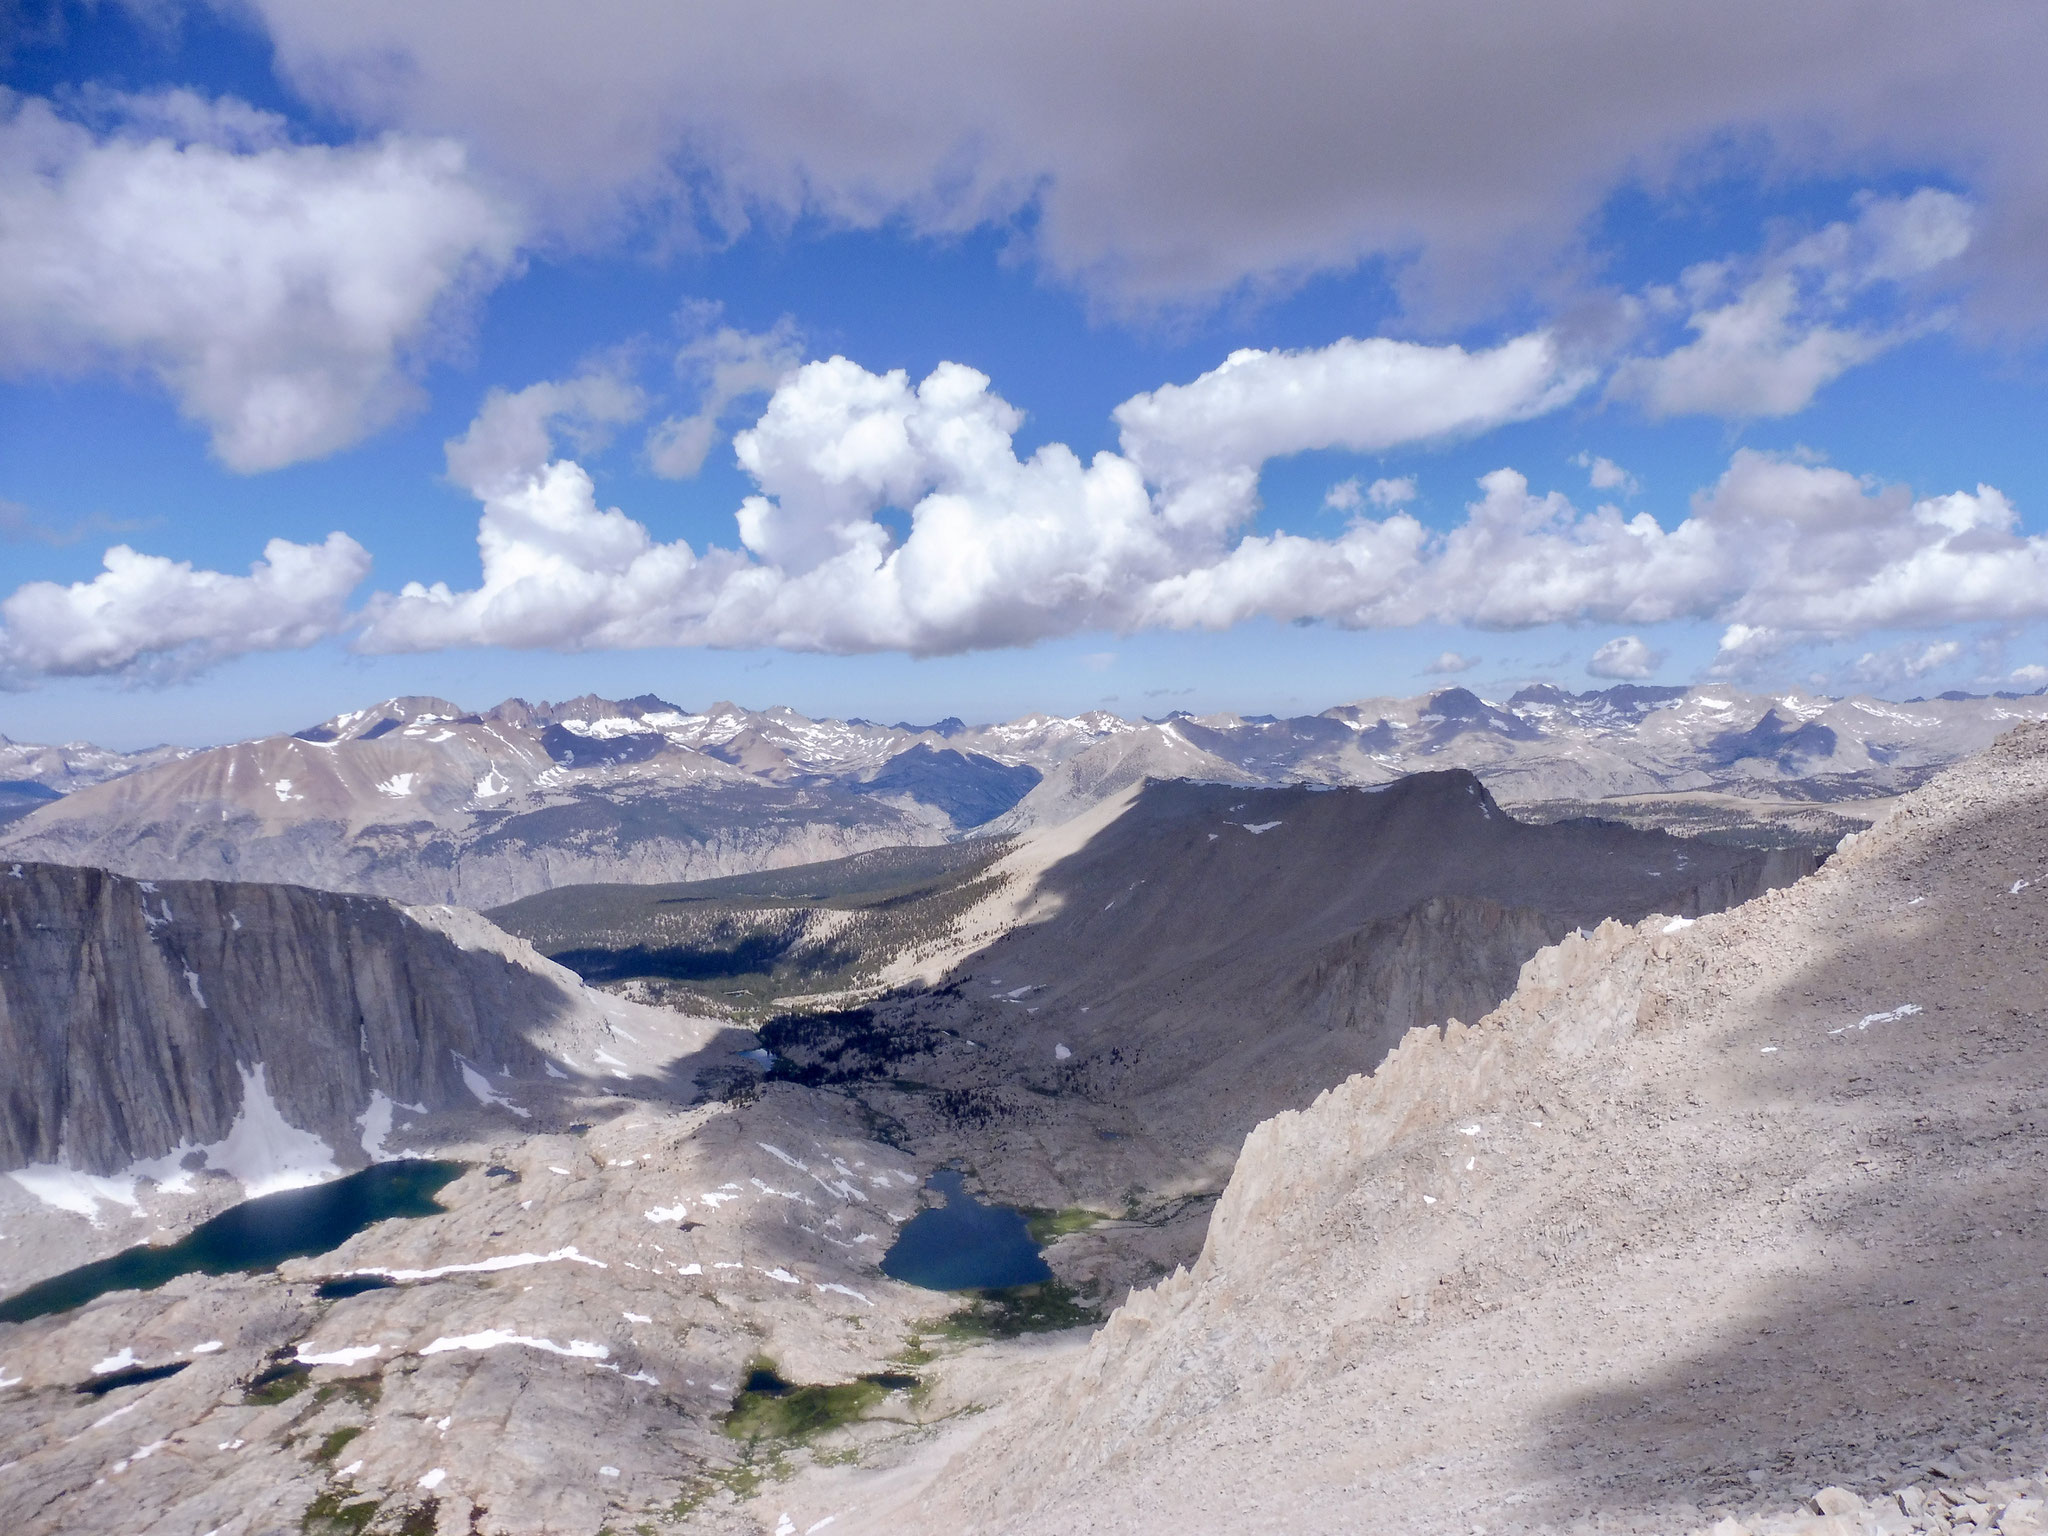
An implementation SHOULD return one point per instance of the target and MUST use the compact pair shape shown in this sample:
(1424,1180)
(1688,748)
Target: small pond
(963,1244)
(257,1234)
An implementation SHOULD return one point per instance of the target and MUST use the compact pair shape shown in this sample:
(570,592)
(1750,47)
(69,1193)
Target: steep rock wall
(133,1013)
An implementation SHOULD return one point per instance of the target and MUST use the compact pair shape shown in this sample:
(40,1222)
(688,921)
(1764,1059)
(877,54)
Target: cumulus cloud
(726,365)
(144,612)
(1449,664)
(1606,475)
(1199,441)
(1469,142)
(1766,345)
(513,435)
(281,293)
(1625,656)
(1003,550)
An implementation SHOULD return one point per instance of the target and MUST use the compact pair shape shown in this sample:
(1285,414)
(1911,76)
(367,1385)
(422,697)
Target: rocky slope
(1129,993)
(32,776)
(1707,1222)
(556,1350)
(420,800)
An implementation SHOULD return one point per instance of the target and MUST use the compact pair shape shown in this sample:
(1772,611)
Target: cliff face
(142,1019)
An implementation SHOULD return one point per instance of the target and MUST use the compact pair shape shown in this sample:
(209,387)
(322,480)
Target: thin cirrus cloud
(281,293)
(1467,143)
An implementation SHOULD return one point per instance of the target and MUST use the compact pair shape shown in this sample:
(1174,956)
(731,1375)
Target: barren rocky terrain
(1723,1221)
(1732,1224)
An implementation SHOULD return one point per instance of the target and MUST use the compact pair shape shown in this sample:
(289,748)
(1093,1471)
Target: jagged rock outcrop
(140,1020)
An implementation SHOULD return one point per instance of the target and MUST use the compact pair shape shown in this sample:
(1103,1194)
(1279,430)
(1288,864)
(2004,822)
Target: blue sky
(1774,297)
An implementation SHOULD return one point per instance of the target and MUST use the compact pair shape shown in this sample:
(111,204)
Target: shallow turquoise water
(257,1234)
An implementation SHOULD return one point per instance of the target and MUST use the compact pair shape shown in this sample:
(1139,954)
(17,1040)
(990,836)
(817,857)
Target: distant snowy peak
(74,765)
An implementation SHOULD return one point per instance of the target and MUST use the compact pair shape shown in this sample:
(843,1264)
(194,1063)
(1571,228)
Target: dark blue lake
(964,1245)
(257,1234)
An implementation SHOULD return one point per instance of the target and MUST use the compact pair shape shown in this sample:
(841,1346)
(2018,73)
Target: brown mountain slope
(1702,1220)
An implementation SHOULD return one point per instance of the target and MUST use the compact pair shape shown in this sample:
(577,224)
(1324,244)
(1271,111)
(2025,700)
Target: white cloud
(2032,675)
(727,365)
(144,611)
(1904,663)
(1625,656)
(1005,551)
(1767,347)
(1449,663)
(280,293)
(1468,142)
(1349,495)
(1606,475)
(513,435)
(1202,442)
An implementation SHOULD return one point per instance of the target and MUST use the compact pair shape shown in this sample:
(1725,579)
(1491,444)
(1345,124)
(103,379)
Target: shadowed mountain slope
(253,1028)
(1704,1219)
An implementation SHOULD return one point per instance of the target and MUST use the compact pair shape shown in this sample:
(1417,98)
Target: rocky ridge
(421,800)
(1719,1225)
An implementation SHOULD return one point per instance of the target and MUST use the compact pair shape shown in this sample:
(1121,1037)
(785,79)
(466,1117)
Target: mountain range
(418,799)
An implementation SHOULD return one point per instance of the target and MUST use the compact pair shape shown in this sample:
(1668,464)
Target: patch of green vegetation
(742,1480)
(769,1408)
(913,1353)
(365,1390)
(1050,1226)
(335,1513)
(1047,1307)
(277,1384)
(331,1447)
(421,1519)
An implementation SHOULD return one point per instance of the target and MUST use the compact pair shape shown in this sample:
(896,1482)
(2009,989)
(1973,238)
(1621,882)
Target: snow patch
(667,1213)
(1678,925)
(265,1151)
(491,1338)
(192,981)
(1060,1053)
(347,1356)
(1256,827)
(434,1479)
(398,786)
(844,1290)
(487,1266)
(480,1085)
(120,1362)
